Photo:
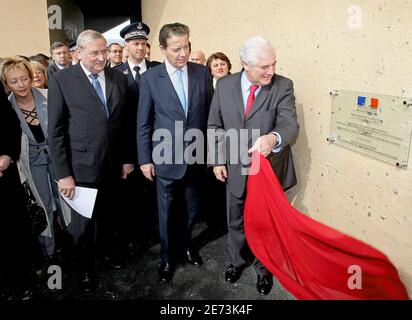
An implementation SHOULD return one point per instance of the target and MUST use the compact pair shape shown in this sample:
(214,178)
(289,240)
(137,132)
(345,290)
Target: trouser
(95,236)
(237,245)
(169,191)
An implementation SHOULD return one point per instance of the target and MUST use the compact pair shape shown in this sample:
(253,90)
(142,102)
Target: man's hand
(220,173)
(127,169)
(264,144)
(66,187)
(5,161)
(148,170)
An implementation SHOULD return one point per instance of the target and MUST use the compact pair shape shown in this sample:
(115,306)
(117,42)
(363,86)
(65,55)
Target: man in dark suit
(60,58)
(88,142)
(135,189)
(254,99)
(174,97)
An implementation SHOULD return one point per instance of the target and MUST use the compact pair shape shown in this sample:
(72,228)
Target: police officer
(136,190)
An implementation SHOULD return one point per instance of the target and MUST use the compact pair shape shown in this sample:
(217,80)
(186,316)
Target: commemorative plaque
(375,125)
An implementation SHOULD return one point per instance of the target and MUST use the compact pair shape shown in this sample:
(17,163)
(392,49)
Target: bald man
(198,57)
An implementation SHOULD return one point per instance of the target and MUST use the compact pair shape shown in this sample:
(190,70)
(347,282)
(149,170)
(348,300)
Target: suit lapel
(109,88)
(259,100)
(192,82)
(237,96)
(167,84)
(129,73)
(86,84)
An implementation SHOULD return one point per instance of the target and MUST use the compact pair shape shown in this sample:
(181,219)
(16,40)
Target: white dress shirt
(101,78)
(141,65)
(171,70)
(245,85)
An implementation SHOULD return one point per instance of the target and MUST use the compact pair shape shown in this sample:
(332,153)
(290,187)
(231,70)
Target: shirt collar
(61,67)
(141,65)
(245,83)
(88,73)
(171,69)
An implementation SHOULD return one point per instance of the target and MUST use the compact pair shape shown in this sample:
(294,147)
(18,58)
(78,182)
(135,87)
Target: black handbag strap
(29,193)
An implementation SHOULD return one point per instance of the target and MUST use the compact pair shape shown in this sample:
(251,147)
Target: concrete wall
(24,27)
(323,45)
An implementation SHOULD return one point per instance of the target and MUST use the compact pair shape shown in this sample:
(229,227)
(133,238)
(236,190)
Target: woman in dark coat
(14,233)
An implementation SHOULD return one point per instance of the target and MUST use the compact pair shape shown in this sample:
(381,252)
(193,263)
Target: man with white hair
(89,145)
(254,99)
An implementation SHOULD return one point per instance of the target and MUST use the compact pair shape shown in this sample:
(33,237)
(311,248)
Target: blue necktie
(99,92)
(180,89)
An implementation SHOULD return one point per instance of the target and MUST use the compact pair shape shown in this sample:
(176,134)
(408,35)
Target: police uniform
(136,185)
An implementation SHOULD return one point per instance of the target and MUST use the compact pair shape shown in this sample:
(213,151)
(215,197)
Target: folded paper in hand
(83,201)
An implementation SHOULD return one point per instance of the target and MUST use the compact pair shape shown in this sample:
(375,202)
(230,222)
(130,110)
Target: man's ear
(78,52)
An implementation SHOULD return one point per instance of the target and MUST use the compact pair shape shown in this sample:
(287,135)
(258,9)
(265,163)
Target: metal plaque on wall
(376,125)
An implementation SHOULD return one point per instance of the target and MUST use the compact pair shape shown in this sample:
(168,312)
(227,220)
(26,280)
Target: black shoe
(264,284)
(165,272)
(233,273)
(194,258)
(88,282)
(113,262)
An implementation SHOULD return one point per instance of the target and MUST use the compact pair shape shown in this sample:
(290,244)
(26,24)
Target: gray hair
(87,36)
(252,49)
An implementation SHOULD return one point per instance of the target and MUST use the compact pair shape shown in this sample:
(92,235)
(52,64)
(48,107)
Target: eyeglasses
(97,53)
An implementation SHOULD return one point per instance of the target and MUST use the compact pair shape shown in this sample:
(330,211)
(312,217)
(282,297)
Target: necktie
(180,89)
(137,77)
(250,98)
(99,92)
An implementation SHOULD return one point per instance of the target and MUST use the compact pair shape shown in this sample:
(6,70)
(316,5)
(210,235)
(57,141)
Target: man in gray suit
(253,99)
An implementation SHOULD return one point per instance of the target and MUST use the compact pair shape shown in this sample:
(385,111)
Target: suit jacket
(133,88)
(82,141)
(160,108)
(273,110)
(52,69)
(133,96)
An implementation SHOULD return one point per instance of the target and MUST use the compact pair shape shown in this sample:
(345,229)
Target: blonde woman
(30,105)
(39,75)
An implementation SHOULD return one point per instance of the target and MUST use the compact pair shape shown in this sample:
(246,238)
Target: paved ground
(138,280)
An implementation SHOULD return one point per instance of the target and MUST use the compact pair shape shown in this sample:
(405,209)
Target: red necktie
(250,98)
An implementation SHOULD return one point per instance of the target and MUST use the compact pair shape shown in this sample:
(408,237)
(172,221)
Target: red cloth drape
(311,260)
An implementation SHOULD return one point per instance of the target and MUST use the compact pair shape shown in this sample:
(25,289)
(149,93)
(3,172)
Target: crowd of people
(86,117)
